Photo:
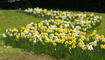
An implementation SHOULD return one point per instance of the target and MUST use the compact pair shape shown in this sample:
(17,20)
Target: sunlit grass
(12,19)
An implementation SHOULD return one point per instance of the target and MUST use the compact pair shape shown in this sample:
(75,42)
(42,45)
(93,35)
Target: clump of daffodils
(63,27)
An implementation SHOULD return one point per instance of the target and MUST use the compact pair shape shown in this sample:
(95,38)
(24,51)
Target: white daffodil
(11,34)
(4,35)
(90,47)
(6,30)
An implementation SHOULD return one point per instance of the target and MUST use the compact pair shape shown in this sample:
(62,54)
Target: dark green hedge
(4,4)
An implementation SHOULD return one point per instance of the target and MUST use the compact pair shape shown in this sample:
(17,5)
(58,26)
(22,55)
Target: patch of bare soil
(25,56)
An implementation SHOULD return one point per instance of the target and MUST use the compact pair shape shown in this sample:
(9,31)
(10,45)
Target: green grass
(101,28)
(12,19)
(9,50)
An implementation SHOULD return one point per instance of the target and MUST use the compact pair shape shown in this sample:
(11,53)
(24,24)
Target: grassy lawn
(12,19)
(101,28)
